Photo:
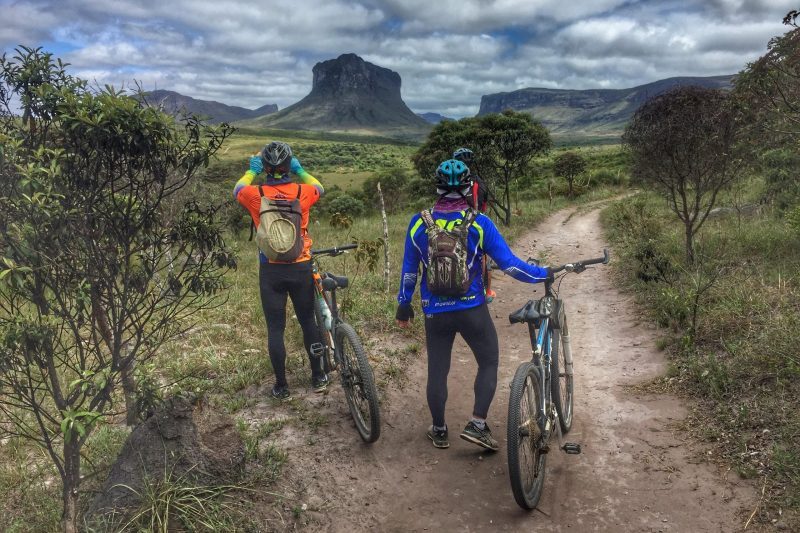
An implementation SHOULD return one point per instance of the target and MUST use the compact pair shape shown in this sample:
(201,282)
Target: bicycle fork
(571,448)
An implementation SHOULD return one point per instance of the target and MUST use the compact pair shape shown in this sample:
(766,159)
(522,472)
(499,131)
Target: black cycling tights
(276,282)
(476,327)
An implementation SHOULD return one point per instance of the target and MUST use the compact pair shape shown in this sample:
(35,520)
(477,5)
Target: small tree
(504,145)
(103,259)
(569,166)
(683,142)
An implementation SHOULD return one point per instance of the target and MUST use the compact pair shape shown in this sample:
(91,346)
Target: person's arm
(305,177)
(408,277)
(256,167)
(496,247)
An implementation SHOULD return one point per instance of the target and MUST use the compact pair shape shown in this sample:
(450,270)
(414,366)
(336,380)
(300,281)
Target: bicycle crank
(571,448)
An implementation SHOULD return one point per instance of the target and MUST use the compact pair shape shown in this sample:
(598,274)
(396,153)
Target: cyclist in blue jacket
(467,314)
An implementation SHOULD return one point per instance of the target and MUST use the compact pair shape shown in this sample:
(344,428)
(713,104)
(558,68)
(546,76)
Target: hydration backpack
(448,270)
(279,235)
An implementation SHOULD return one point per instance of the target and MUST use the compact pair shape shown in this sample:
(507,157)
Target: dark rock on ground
(182,441)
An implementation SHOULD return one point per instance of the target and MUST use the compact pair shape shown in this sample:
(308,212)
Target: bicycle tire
(358,383)
(526,462)
(324,335)
(562,385)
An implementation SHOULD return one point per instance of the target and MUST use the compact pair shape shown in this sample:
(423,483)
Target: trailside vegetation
(728,301)
(104,256)
(569,165)
(504,145)
(683,143)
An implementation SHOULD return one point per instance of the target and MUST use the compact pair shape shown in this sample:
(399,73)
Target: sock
(440,428)
(480,424)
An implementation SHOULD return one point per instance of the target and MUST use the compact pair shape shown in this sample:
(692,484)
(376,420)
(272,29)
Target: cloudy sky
(448,52)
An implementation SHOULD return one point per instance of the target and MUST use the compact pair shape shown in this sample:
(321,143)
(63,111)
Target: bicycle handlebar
(580,266)
(336,250)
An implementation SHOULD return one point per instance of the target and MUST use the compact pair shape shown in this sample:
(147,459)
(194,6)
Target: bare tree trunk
(129,389)
(70,482)
(385,241)
(127,377)
(689,244)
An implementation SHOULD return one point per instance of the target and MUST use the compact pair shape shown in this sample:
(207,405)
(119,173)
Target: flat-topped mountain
(217,112)
(593,112)
(349,94)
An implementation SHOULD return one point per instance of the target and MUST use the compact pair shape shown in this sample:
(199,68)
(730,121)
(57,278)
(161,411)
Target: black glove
(404,312)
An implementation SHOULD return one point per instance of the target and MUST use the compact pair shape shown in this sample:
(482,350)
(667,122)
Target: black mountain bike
(342,349)
(542,389)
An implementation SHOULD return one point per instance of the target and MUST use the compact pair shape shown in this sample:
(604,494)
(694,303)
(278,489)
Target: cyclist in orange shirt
(279,279)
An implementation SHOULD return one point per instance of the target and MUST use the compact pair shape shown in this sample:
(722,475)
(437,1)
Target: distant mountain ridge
(217,112)
(433,118)
(590,112)
(350,94)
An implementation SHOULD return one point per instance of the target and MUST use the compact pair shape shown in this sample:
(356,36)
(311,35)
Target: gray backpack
(279,234)
(448,270)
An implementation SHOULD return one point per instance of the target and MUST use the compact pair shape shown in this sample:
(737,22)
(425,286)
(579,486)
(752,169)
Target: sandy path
(635,472)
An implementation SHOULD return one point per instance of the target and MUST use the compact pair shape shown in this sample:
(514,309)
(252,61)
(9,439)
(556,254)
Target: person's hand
(256,165)
(404,315)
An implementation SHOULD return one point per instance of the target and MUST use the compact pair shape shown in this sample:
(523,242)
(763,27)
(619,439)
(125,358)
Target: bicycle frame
(321,292)
(540,336)
(542,360)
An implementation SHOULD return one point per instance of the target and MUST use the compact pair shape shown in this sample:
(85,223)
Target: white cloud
(448,52)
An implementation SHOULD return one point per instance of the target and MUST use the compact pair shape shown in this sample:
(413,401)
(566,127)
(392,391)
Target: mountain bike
(342,349)
(542,389)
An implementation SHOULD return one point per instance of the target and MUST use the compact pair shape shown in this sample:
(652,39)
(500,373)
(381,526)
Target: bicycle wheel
(562,377)
(358,383)
(526,461)
(325,336)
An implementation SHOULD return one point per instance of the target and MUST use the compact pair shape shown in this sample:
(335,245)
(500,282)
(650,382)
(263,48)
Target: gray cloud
(448,52)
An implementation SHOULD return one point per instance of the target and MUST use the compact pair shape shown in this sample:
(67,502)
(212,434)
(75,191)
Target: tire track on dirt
(636,472)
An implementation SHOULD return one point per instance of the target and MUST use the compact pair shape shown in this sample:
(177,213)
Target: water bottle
(327,319)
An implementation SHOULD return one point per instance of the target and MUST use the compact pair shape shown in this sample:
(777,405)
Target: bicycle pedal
(572,448)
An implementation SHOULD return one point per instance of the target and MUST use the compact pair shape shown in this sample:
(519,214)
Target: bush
(345,204)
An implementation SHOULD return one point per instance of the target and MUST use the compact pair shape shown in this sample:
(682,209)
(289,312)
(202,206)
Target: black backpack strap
(261,190)
(469,217)
(299,190)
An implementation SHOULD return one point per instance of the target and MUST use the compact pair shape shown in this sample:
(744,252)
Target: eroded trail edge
(637,472)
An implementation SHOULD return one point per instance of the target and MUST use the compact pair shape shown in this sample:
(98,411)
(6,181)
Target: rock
(187,441)
(349,93)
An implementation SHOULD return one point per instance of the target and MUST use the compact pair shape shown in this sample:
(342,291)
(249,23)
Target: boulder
(182,440)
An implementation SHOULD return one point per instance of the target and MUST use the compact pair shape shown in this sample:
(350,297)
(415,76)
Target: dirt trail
(636,472)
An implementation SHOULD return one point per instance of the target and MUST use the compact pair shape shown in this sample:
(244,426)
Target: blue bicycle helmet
(452,175)
(464,155)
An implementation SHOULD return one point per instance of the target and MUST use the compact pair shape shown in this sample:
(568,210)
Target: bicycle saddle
(527,313)
(330,282)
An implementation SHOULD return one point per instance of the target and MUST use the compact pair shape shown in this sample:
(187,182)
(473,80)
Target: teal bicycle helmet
(452,175)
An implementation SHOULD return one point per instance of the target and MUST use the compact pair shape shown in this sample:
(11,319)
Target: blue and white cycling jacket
(483,237)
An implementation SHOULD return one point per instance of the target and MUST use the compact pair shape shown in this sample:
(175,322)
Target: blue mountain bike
(542,389)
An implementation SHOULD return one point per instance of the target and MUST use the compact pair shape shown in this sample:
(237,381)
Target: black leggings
(476,327)
(276,282)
